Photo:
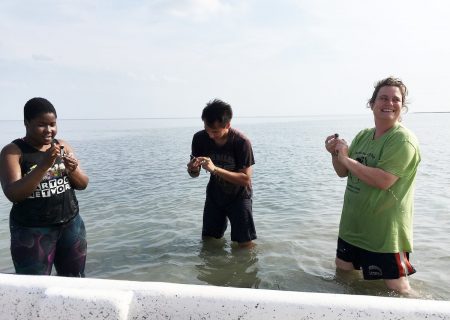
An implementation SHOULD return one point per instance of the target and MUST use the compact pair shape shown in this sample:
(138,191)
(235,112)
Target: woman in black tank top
(39,175)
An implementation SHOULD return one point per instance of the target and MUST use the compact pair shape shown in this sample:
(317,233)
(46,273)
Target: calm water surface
(143,212)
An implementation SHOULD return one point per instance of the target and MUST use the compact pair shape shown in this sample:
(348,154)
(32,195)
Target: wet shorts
(239,213)
(373,264)
(34,250)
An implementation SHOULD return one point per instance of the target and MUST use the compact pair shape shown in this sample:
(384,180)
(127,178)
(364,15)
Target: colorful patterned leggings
(35,250)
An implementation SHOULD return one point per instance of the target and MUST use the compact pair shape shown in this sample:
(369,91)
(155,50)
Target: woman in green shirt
(375,231)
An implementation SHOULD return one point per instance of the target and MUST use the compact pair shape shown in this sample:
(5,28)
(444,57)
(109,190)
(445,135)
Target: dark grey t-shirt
(234,155)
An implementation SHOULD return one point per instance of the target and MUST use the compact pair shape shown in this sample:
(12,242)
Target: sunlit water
(143,212)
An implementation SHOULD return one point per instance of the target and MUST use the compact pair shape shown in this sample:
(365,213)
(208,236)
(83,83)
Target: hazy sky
(167,58)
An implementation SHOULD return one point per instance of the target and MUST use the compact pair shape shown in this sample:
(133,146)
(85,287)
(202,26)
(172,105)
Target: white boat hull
(43,297)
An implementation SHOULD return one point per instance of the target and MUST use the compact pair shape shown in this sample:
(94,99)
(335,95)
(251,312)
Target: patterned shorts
(35,250)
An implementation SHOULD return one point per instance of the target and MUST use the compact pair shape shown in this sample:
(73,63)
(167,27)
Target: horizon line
(183,118)
(238,117)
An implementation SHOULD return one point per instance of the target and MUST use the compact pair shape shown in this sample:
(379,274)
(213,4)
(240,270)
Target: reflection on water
(229,266)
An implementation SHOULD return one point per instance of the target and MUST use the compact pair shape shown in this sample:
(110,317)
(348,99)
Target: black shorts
(375,265)
(239,212)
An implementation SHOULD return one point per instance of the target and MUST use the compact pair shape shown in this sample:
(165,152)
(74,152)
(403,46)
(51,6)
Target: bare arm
(339,168)
(16,187)
(241,178)
(374,177)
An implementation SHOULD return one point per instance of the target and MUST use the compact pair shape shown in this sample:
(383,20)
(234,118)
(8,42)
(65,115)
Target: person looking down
(39,175)
(227,155)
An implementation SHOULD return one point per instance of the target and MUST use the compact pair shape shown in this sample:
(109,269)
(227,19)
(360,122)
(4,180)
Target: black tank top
(53,202)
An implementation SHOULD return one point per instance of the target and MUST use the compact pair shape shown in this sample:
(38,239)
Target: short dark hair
(217,111)
(37,106)
(390,81)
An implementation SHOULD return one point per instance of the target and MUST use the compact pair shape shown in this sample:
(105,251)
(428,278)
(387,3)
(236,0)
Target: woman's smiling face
(388,104)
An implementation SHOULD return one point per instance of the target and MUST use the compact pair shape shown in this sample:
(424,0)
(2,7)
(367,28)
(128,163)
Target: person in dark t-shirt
(228,156)
(39,175)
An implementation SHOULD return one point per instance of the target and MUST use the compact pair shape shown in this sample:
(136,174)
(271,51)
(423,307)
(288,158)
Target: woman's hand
(338,148)
(50,156)
(78,179)
(341,149)
(70,162)
(330,143)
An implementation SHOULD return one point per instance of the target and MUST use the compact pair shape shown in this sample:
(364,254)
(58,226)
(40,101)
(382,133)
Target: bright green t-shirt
(381,220)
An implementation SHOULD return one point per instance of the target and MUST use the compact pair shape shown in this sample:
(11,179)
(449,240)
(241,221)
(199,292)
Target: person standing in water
(227,155)
(375,231)
(39,175)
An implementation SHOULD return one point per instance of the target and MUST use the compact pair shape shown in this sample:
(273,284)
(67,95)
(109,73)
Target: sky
(168,58)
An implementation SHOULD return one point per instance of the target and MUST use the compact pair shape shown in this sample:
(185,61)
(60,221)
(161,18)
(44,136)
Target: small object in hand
(335,153)
(61,151)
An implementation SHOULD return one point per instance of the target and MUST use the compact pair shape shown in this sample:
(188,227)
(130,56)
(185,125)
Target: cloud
(201,10)
(42,58)
(258,53)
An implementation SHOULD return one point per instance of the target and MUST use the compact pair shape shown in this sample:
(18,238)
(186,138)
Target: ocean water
(143,213)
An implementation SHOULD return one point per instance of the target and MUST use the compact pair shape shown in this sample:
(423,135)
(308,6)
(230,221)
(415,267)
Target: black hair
(37,106)
(217,111)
